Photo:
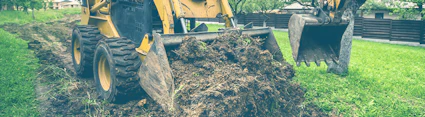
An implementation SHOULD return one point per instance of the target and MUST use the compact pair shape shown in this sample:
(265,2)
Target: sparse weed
(203,45)
(247,41)
(93,107)
(195,74)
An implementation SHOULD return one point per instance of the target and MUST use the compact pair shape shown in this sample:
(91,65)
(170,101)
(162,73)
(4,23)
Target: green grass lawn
(40,16)
(384,80)
(18,68)
(18,65)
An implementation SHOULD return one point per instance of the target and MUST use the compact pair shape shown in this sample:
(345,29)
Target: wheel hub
(77,53)
(104,73)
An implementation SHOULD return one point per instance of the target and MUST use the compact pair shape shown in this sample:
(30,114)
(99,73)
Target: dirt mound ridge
(234,76)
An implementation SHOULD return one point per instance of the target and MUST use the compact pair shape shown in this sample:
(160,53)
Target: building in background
(385,9)
(59,4)
(296,8)
(72,4)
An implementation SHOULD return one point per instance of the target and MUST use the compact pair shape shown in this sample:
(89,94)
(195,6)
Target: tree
(405,11)
(1,5)
(267,6)
(33,5)
(238,8)
(373,5)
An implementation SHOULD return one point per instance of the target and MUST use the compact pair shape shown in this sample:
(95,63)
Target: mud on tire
(116,64)
(84,40)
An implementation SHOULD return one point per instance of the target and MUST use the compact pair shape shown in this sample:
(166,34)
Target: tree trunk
(10,7)
(265,19)
(341,68)
(420,8)
(235,19)
(33,16)
(26,10)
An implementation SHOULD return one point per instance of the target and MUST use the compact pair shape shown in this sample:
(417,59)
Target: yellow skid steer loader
(122,43)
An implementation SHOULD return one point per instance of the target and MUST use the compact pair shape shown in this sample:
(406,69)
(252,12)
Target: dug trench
(231,76)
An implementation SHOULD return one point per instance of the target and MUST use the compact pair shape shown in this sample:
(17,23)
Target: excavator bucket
(314,41)
(155,74)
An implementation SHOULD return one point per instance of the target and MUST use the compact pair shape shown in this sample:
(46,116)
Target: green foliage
(263,6)
(42,16)
(17,74)
(404,9)
(238,6)
(374,5)
(36,4)
(23,4)
(407,12)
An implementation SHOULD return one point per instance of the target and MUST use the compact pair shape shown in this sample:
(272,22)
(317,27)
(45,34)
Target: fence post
(275,20)
(422,38)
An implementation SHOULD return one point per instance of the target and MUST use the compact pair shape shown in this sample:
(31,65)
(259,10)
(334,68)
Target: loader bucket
(314,41)
(155,74)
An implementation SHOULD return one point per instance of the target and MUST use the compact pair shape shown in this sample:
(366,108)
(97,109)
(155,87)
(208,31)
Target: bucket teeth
(317,60)
(307,64)
(328,62)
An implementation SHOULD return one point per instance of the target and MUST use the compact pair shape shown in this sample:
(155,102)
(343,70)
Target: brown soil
(231,76)
(234,76)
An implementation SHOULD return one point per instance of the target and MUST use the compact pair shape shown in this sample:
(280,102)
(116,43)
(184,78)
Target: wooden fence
(393,30)
(386,29)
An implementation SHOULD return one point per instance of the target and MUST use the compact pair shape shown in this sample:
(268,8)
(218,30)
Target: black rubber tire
(124,63)
(88,37)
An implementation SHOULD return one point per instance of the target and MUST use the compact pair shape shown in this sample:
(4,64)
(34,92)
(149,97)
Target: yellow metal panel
(85,15)
(201,9)
(178,9)
(144,47)
(97,6)
(104,24)
(226,8)
(107,27)
(164,11)
(331,3)
(338,2)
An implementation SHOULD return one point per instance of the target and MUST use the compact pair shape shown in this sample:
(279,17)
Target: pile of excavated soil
(234,76)
(231,76)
